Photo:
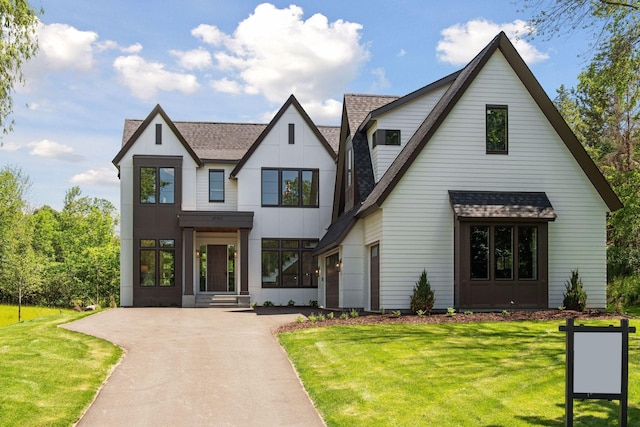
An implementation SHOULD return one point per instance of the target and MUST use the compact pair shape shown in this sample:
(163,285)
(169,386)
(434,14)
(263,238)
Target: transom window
(386,137)
(496,141)
(290,187)
(157,185)
(289,263)
(504,252)
(157,262)
(216,185)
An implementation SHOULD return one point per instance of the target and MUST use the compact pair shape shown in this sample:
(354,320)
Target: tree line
(67,258)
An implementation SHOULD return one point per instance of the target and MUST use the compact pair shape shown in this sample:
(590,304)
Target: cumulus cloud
(10,146)
(145,79)
(112,45)
(275,52)
(64,47)
(196,59)
(101,176)
(53,150)
(461,42)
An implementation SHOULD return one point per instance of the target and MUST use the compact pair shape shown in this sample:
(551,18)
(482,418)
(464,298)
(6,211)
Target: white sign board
(597,362)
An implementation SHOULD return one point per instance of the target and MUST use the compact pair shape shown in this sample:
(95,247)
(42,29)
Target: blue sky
(236,61)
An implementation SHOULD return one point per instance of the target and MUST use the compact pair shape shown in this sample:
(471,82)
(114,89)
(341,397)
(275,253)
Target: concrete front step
(222,301)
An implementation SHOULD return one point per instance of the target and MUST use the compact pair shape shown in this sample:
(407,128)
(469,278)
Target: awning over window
(499,204)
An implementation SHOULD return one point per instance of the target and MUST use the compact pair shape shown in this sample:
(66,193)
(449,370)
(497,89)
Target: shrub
(291,303)
(623,292)
(354,312)
(575,298)
(423,297)
(330,315)
(313,303)
(344,316)
(267,303)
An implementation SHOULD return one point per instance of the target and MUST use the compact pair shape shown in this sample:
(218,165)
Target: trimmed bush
(575,298)
(423,297)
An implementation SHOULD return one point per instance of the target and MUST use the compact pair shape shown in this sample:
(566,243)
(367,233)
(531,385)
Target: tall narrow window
(292,133)
(290,188)
(349,167)
(270,179)
(503,252)
(147,185)
(480,252)
(496,142)
(310,188)
(167,188)
(158,133)
(216,186)
(528,252)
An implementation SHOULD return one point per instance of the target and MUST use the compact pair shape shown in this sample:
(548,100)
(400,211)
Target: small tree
(423,297)
(575,298)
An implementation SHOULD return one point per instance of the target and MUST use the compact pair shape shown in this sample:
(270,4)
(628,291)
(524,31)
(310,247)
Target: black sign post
(597,365)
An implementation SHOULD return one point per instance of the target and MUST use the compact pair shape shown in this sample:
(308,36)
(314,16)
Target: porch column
(244,261)
(188,260)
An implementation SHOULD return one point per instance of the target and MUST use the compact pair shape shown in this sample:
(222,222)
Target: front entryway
(216,268)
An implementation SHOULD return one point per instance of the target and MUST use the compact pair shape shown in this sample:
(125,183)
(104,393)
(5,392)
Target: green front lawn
(9,313)
(49,375)
(478,374)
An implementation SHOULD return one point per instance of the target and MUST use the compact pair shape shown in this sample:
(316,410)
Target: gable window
(386,137)
(290,187)
(292,133)
(157,262)
(349,167)
(216,186)
(496,141)
(158,133)
(289,263)
(157,185)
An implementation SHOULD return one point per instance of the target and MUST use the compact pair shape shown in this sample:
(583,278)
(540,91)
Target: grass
(49,375)
(482,374)
(9,313)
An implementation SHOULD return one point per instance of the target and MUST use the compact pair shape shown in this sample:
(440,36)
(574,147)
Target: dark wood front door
(216,268)
(333,282)
(375,277)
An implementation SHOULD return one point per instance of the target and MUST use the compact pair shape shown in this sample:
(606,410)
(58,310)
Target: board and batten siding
(407,119)
(284,222)
(202,189)
(417,219)
(146,145)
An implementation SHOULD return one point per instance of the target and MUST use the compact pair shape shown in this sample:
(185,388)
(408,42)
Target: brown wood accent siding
(217,268)
(188,236)
(157,221)
(500,293)
(375,277)
(244,261)
(333,282)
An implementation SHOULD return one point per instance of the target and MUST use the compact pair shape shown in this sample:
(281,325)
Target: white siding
(407,118)
(146,145)
(417,218)
(202,189)
(273,222)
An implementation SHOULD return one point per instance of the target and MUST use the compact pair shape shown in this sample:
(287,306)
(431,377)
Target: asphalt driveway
(197,367)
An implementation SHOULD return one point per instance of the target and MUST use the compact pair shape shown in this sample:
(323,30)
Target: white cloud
(321,112)
(196,59)
(275,52)
(210,34)
(101,176)
(381,80)
(402,53)
(64,47)
(461,42)
(145,79)
(111,45)
(10,146)
(226,86)
(53,150)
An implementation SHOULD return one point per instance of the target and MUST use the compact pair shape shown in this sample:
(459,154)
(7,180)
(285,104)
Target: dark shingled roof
(362,165)
(337,231)
(500,204)
(359,106)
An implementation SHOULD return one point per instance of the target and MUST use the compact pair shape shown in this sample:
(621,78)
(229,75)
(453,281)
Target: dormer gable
(158,131)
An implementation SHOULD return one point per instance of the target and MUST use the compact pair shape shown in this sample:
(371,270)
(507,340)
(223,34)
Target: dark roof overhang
(215,220)
(501,205)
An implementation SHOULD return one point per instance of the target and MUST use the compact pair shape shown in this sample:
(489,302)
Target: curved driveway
(197,367)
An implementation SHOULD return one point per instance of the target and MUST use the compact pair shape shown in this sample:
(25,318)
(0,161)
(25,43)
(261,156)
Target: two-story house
(223,209)
(475,178)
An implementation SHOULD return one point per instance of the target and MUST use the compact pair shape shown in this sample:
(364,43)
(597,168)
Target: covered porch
(215,258)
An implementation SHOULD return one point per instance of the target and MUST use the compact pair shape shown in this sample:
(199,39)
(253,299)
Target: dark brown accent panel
(374,275)
(333,282)
(157,221)
(189,235)
(215,220)
(244,261)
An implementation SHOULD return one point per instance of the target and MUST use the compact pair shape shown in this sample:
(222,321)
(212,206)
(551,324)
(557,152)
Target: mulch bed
(513,316)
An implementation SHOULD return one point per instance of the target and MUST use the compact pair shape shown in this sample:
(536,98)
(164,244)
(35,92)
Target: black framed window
(157,185)
(157,262)
(349,166)
(497,134)
(216,185)
(290,187)
(386,137)
(289,263)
